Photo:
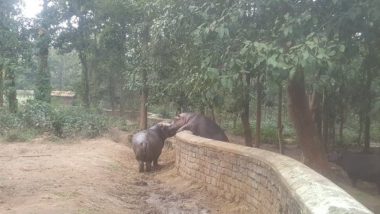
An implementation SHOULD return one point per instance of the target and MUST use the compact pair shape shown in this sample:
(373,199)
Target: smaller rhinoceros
(147,145)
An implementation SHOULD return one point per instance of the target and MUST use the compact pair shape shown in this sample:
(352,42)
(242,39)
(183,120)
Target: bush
(9,121)
(77,121)
(20,135)
(38,116)
(122,124)
(163,111)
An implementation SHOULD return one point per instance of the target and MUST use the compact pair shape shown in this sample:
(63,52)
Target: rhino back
(207,128)
(147,145)
(139,145)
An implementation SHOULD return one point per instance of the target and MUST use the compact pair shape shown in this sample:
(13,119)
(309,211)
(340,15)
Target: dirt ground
(94,176)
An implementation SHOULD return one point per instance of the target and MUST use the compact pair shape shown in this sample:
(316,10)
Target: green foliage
(65,70)
(77,121)
(268,130)
(63,122)
(9,121)
(21,135)
(195,56)
(164,111)
(38,115)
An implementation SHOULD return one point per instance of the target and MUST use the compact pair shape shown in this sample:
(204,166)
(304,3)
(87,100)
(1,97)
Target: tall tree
(78,35)
(14,49)
(43,87)
(10,79)
(1,86)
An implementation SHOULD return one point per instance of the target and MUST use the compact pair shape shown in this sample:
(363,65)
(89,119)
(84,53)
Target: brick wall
(267,182)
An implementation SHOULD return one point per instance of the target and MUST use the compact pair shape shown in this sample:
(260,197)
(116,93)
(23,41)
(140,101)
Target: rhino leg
(148,166)
(155,164)
(141,166)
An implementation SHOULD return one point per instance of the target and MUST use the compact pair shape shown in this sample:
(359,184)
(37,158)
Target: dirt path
(92,176)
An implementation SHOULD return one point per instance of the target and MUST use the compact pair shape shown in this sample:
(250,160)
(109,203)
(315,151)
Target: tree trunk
(325,119)
(332,129)
(359,141)
(258,111)
(212,113)
(246,126)
(85,76)
(234,121)
(367,134)
(202,109)
(315,109)
(313,151)
(43,87)
(341,125)
(279,120)
(61,71)
(178,110)
(10,78)
(122,100)
(143,102)
(367,117)
(1,86)
(245,114)
(111,88)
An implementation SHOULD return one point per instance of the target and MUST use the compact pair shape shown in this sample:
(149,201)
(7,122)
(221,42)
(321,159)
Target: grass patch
(21,135)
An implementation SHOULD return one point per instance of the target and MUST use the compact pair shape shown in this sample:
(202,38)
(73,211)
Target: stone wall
(267,182)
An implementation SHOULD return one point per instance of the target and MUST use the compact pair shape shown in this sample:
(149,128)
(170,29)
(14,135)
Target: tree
(78,35)
(1,86)
(43,87)
(14,50)
(221,57)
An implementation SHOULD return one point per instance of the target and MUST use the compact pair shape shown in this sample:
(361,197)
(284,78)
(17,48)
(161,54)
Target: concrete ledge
(266,181)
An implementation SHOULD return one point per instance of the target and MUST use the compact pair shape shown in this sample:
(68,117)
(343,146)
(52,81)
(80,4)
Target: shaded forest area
(246,64)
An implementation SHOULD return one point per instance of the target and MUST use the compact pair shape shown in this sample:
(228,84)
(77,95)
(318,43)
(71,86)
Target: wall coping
(314,192)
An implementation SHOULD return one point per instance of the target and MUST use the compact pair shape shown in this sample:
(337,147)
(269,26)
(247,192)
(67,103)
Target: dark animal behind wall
(359,166)
(199,125)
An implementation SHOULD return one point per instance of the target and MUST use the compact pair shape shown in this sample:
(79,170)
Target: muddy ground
(94,176)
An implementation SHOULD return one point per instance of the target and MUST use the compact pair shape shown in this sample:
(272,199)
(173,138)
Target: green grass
(21,135)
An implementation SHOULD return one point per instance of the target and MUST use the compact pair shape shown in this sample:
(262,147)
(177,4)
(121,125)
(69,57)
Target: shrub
(122,124)
(9,121)
(20,135)
(37,114)
(77,121)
